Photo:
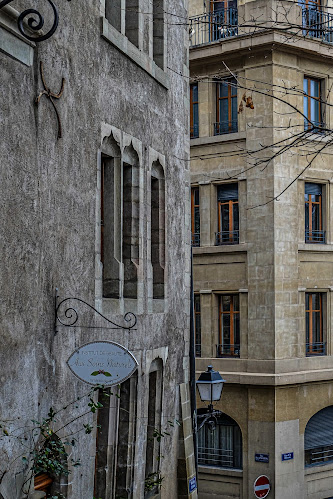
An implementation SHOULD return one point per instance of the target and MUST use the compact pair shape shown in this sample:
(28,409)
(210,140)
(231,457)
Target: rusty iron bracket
(51,95)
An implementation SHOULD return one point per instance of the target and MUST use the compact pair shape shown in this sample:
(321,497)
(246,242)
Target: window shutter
(227,192)
(314,189)
(319,430)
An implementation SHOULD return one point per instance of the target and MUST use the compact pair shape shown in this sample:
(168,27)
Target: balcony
(315,236)
(213,26)
(228,350)
(313,349)
(194,131)
(227,237)
(195,239)
(216,26)
(317,24)
(318,455)
(223,127)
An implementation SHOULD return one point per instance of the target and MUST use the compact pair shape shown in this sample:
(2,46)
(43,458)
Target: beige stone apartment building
(262,220)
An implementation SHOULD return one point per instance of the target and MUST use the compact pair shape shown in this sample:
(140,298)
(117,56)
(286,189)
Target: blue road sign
(192,484)
(261,458)
(287,456)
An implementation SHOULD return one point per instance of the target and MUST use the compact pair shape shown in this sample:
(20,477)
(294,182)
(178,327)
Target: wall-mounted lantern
(210,384)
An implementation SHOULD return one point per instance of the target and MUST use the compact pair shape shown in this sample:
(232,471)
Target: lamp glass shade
(217,390)
(210,384)
(204,391)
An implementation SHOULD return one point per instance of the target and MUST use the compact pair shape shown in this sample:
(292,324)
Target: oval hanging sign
(102,363)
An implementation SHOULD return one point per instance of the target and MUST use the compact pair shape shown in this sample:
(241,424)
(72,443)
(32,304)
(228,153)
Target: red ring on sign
(261,489)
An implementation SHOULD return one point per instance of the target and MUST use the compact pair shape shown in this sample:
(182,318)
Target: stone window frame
(195,235)
(141,53)
(319,351)
(117,305)
(157,170)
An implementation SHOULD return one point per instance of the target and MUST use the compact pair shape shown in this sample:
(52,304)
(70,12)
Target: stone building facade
(96,205)
(262,268)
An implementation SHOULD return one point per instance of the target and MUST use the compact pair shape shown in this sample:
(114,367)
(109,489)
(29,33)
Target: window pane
(236,329)
(195,93)
(315,217)
(306,216)
(235,217)
(316,329)
(315,301)
(305,85)
(226,300)
(224,89)
(236,303)
(234,109)
(197,220)
(307,301)
(223,110)
(314,88)
(225,217)
(226,329)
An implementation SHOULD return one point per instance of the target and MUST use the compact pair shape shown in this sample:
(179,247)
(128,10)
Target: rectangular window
(197,325)
(195,216)
(314,232)
(194,111)
(158,32)
(229,338)
(226,107)
(315,344)
(228,214)
(312,105)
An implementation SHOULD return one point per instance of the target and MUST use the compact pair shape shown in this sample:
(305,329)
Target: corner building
(96,205)
(260,78)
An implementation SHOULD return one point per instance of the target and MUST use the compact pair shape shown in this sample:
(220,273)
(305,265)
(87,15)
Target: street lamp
(210,385)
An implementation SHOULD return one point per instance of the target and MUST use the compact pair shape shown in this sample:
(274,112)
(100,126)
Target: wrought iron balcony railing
(228,350)
(195,238)
(227,237)
(315,236)
(223,127)
(317,24)
(318,455)
(318,348)
(216,457)
(194,131)
(213,26)
(198,350)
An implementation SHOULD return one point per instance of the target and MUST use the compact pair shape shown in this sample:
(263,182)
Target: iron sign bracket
(65,315)
(35,21)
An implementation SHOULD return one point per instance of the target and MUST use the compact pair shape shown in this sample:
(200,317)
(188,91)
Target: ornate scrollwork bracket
(35,21)
(65,315)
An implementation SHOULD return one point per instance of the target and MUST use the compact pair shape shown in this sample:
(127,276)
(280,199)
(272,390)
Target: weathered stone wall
(50,225)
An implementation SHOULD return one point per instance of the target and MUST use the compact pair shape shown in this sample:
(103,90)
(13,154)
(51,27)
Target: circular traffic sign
(261,486)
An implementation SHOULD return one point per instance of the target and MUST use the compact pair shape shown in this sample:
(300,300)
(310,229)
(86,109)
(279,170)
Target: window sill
(214,470)
(318,468)
(321,247)
(217,139)
(228,248)
(123,44)
(11,40)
